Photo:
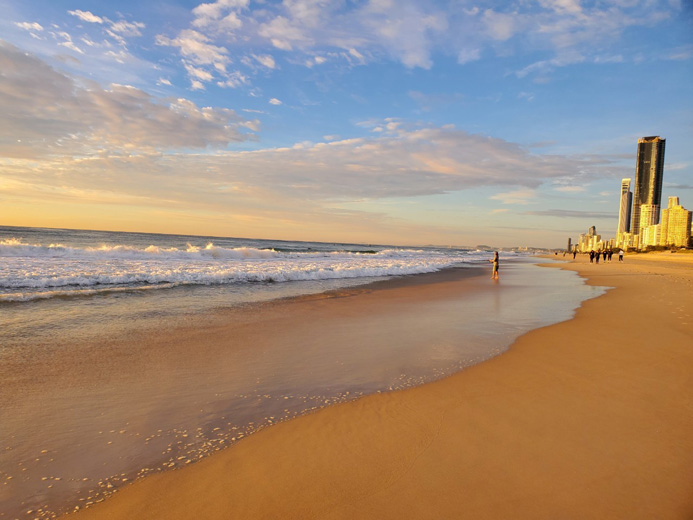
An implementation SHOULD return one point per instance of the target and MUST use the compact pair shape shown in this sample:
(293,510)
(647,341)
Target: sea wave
(34,271)
(15,247)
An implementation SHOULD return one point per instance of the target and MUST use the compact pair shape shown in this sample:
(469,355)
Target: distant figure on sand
(574,253)
(620,255)
(494,275)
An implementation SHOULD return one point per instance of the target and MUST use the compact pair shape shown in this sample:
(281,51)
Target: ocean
(120,355)
(73,279)
(47,263)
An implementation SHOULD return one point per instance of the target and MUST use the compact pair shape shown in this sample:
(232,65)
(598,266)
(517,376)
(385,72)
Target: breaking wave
(35,271)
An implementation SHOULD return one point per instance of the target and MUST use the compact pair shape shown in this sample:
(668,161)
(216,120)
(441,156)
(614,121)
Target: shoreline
(117,407)
(560,425)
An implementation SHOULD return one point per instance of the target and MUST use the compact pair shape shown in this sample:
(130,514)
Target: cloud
(681,53)
(265,60)
(86,132)
(68,43)
(86,16)
(521,197)
(50,114)
(275,101)
(556,33)
(222,12)
(195,47)
(406,32)
(122,29)
(571,189)
(29,26)
(563,213)
(118,30)
(468,55)
(545,66)
(233,79)
(500,26)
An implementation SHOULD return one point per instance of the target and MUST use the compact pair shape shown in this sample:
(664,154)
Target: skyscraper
(624,210)
(649,171)
(676,224)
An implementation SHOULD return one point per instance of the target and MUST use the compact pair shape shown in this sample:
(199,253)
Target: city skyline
(640,224)
(501,123)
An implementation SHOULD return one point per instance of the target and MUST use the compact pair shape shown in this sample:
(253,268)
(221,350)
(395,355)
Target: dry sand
(589,418)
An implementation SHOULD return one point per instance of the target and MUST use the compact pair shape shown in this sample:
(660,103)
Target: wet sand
(82,415)
(589,418)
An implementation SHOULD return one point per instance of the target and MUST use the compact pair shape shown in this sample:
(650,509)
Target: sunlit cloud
(86,16)
(29,26)
(571,189)
(563,213)
(521,197)
(47,113)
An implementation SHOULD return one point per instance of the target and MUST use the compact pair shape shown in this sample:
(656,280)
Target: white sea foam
(35,271)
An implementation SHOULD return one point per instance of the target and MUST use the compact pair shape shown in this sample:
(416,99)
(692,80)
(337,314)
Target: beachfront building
(676,224)
(649,172)
(624,208)
(627,241)
(624,214)
(650,236)
(590,241)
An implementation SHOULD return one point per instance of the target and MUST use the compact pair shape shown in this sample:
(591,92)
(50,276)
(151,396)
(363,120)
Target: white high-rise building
(650,235)
(624,208)
(676,224)
(649,215)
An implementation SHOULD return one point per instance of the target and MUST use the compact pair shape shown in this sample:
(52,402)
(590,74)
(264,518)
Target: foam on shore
(589,418)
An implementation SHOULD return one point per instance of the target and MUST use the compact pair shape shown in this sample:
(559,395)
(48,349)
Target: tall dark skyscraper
(649,171)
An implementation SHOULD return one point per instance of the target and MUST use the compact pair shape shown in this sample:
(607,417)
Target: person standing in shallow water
(494,275)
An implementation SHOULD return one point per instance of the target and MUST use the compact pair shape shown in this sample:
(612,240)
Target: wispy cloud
(521,197)
(86,16)
(563,213)
(29,26)
(571,189)
(411,32)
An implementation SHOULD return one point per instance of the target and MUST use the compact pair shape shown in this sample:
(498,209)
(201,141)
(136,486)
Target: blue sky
(406,122)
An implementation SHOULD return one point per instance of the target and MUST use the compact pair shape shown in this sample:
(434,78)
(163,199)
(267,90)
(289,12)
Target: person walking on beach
(596,256)
(592,256)
(620,255)
(494,275)
(574,253)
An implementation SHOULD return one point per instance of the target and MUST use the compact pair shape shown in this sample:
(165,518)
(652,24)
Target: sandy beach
(588,418)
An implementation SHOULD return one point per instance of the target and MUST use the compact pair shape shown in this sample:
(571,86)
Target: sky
(408,122)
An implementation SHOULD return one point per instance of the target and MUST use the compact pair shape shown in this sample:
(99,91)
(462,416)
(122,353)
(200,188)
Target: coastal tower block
(649,172)
(676,224)
(624,209)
